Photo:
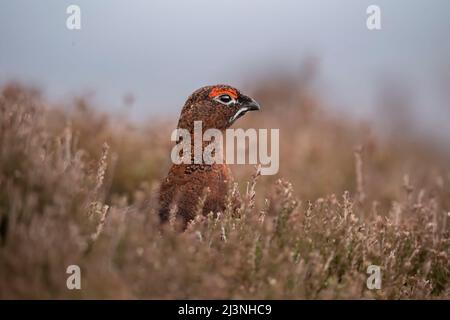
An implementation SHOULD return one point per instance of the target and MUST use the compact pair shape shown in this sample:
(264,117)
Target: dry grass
(79,187)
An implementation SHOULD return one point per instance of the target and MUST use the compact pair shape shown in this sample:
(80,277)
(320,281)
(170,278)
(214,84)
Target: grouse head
(217,106)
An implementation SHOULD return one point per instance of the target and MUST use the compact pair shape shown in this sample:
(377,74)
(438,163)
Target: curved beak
(250,105)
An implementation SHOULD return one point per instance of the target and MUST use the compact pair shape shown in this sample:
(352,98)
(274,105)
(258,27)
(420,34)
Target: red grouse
(217,107)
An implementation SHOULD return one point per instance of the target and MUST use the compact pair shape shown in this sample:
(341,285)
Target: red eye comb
(219,91)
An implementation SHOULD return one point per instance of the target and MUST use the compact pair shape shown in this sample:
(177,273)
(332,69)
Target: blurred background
(85,122)
(143,59)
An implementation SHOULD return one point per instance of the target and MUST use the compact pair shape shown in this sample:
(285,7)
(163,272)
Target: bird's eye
(225,99)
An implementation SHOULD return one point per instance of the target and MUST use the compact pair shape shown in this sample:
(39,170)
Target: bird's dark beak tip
(248,106)
(254,106)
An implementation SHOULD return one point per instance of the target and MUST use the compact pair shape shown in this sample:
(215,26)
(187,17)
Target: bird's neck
(207,147)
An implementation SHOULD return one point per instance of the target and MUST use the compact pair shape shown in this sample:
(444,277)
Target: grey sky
(162,50)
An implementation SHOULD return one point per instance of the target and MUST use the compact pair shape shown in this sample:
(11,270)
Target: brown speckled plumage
(185,183)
